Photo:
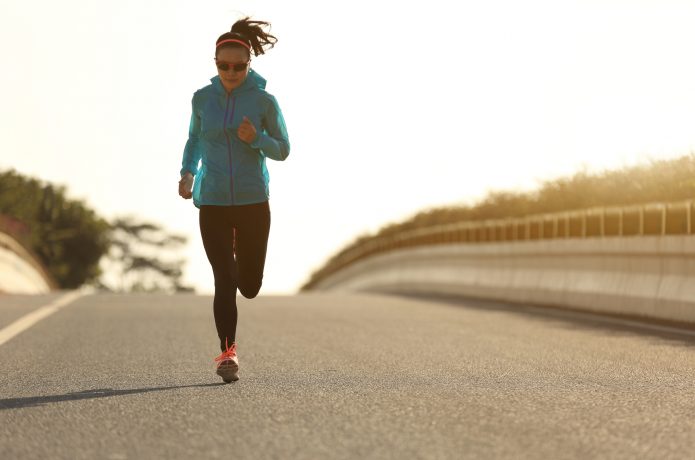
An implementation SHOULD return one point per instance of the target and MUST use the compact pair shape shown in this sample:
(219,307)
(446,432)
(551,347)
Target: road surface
(339,377)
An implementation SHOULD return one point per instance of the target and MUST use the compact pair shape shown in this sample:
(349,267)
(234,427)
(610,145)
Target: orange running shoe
(228,363)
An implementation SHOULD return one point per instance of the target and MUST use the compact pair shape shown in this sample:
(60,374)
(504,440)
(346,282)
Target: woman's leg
(252,229)
(216,229)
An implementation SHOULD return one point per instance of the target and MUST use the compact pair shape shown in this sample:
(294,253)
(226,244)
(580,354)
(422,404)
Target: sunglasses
(238,67)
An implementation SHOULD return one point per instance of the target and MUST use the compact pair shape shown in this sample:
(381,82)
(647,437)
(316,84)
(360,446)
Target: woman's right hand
(186,185)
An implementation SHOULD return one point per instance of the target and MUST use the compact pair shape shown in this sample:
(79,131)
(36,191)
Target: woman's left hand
(246,131)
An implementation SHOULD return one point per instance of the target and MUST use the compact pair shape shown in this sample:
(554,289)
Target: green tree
(68,237)
(73,242)
(135,258)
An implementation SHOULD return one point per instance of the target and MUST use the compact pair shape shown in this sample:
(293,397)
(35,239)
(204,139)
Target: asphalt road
(339,376)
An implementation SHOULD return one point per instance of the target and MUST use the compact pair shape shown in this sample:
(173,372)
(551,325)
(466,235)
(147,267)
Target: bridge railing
(671,218)
(20,268)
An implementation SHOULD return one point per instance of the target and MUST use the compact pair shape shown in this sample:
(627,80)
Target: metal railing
(674,218)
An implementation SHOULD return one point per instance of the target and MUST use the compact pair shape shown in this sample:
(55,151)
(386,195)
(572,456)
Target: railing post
(583,214)
(641,221)
(567,224)
(688,214)
(527,228)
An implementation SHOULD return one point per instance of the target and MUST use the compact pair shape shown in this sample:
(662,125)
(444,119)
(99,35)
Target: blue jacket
(233,172)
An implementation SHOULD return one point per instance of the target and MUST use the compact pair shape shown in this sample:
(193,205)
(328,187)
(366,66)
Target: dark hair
(249,32)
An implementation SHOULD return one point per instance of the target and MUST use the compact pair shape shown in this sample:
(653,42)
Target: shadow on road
(17,403)
(683,334)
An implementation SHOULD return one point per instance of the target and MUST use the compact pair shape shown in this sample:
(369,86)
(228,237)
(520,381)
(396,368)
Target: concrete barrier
(672,218)
(647,276)
(20,272)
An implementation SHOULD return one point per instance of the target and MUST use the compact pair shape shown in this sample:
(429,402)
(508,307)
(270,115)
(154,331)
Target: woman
(235,126)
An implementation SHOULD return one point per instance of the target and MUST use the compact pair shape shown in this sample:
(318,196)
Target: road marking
(28,320)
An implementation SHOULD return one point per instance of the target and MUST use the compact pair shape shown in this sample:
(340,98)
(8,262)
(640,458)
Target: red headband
(234,40)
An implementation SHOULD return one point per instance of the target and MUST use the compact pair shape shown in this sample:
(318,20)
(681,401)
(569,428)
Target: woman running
(235,126)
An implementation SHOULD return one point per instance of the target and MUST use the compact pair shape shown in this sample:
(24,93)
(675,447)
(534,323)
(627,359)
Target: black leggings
(218,224)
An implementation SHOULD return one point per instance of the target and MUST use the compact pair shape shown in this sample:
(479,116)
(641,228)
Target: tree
(135,259)
(68,238)
(75,244)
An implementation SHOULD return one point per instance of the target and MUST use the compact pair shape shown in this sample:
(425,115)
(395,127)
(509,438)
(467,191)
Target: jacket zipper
(229,146)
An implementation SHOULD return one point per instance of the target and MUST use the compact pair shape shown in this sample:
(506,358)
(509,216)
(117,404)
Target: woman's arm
(273,141)
(191,152)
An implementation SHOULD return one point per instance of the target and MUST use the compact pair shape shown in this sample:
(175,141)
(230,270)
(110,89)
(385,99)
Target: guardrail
(20,270)
(673,218)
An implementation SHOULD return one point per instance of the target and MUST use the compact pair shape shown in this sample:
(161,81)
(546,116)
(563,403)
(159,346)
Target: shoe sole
(228,372)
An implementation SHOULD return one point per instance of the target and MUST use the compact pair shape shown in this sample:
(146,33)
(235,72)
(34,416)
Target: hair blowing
(252,33)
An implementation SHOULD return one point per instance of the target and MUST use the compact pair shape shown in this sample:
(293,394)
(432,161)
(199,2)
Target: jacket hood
(253,80)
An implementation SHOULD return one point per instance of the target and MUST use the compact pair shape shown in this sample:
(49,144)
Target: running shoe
(228,363)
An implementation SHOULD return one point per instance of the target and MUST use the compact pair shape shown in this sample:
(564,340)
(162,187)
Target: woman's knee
(250,290)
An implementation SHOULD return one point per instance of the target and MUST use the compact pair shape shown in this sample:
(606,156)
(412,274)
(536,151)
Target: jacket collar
(253,81)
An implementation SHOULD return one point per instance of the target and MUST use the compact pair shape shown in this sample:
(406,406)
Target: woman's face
(230,78)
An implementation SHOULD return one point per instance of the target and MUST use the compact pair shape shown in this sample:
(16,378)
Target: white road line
(28,320)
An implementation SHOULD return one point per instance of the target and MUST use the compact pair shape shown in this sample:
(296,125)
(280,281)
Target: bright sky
(391,106)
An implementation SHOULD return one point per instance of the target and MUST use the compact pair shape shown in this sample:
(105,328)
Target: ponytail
(249,32)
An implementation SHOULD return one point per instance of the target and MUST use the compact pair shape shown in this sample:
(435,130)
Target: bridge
(557,336)
(636,261)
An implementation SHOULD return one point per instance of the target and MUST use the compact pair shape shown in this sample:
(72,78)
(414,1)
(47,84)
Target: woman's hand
(186,185)
(246,131)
